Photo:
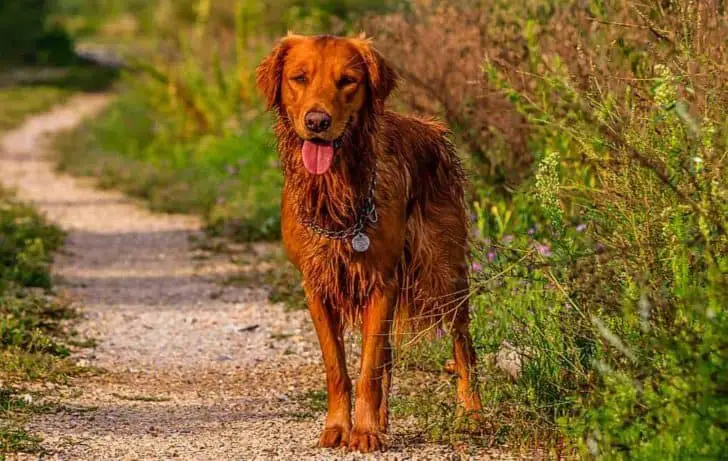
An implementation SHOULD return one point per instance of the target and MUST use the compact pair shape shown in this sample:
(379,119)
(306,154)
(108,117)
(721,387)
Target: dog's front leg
(376,325)
(338,384)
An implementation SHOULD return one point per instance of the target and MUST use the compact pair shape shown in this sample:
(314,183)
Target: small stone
(509,359)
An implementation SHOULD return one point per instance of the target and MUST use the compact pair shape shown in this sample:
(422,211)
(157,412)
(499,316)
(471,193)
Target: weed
(33,322)
(315,400)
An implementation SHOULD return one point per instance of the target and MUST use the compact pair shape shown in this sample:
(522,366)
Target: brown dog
(373,215)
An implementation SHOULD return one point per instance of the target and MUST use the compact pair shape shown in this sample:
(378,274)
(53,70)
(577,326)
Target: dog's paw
(334,437)
(365,442)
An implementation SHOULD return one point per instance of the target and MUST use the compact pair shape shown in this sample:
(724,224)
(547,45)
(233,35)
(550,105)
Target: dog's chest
(333,270)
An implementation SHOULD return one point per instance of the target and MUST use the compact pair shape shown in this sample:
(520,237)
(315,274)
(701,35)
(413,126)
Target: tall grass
(617,298)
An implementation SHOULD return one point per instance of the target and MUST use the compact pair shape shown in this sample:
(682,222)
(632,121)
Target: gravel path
(194,369)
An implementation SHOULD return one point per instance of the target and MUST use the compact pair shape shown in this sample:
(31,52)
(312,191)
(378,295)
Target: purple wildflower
(477,267)
(531,231)
(492,253)
(581,228)
(439,333)
(508,238)
(544,250)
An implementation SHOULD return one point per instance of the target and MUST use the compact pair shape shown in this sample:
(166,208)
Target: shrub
(617,298)
(29,37)
(438,47)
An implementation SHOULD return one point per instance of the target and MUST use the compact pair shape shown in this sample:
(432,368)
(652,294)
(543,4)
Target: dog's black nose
(317,121)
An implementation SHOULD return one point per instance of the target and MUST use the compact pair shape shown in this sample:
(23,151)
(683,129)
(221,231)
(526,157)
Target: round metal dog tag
(360,242)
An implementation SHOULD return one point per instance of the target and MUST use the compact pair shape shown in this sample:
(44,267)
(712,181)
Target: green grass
(34,90)
(34,324)
(18,102)
(232,180)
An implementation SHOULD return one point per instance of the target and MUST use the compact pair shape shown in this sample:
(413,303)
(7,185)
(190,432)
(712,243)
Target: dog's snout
(317,121)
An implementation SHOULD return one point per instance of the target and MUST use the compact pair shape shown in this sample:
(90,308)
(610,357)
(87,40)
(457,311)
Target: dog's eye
(299,78)
(345,81)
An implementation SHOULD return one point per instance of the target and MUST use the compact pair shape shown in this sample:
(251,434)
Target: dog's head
(323,86)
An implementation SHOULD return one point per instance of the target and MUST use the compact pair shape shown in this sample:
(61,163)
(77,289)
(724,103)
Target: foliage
(438,47)
(125,19)
(33,341)
(617,299)
(31,90)
(30,37)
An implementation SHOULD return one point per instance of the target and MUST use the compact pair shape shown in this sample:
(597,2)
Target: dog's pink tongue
(317,157)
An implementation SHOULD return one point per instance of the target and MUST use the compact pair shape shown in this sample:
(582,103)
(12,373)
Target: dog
(373,215)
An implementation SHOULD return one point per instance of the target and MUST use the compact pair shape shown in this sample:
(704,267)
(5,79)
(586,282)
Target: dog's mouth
(318,154)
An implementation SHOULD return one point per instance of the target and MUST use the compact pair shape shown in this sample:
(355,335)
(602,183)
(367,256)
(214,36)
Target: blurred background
(595,134)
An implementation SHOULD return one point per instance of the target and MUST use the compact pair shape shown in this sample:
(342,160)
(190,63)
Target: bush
(24,244)
(614,288)
(28,37)
(438,47)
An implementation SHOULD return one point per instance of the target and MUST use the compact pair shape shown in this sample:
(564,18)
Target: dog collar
(355,233)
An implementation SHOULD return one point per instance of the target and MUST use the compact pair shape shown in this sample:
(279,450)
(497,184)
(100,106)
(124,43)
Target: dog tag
(360,242)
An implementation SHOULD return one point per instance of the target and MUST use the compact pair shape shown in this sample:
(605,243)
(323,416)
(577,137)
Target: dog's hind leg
(468,398)
(338,384)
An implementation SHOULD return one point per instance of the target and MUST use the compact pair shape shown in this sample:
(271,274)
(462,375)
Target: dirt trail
(195,369)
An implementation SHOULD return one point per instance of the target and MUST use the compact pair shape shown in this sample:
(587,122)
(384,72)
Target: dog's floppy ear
(269,73)
(382,76)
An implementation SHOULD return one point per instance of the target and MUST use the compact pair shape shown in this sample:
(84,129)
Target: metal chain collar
(367,213)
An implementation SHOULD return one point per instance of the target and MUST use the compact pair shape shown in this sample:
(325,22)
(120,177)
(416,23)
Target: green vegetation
(34,339)
(33,90)
(38,67)
(607,266)
(136,149)
(596,133)
(17,102)
(30,36)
